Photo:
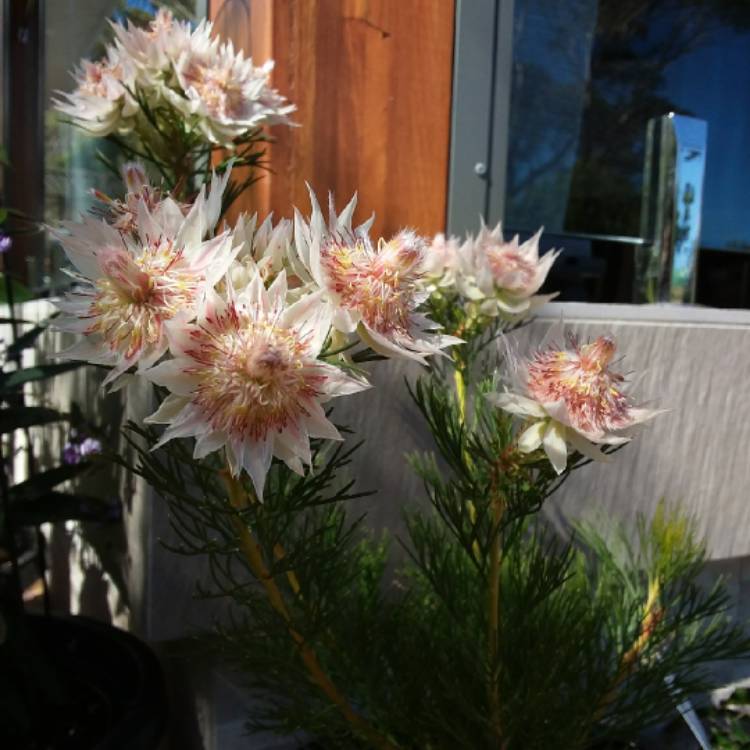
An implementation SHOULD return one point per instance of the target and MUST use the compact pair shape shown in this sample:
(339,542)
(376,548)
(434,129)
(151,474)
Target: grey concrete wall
(695,362)
(692,361)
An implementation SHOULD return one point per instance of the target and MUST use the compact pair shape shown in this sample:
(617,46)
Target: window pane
(75,29)
(587,77)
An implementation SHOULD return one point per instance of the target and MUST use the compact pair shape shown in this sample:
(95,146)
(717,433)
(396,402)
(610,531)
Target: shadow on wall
(87,561)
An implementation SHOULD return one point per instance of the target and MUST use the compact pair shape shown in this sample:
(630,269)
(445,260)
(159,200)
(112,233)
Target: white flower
(263,250)
(224,93)
(503,278)
(376,291)
(570,396)
(154,50)
(441,261)
(101,103)
(134,282)
(247,378)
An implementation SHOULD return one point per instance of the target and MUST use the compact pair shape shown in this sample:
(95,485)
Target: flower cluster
(238,325)
(569,396)
(493,276)
(211,88)
(252,328)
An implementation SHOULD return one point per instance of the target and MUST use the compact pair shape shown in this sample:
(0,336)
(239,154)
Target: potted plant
(494,633)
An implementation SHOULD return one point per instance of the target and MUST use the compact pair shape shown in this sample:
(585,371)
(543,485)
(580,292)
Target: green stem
(493,615)
(253,553)
(458,378)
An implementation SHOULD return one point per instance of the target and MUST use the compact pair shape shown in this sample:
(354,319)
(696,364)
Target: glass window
(76,29)
(588,75)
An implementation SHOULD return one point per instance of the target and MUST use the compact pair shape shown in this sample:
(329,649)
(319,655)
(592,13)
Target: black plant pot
(105,688)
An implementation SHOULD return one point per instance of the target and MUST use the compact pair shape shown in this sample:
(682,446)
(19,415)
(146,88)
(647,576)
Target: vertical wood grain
(372,83)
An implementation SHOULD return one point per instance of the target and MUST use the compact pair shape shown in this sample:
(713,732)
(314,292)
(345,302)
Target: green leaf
(27,340)
(21,293)
(42,482)
(60,506)
(3,214)
(18,417)
(11,381)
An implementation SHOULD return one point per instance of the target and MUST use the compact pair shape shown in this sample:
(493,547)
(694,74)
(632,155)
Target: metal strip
(500,123)
(471,114)
(616,239)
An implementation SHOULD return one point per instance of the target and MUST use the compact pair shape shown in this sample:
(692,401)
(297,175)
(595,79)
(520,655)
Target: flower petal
(516,404)
(171,374)
(318,424)
(555,446)
(586,448)
(168,410)
(208,443)
(531,438)
(257,462)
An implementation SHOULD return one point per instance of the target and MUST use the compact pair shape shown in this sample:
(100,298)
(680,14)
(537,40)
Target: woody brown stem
(652,615)
(253,553)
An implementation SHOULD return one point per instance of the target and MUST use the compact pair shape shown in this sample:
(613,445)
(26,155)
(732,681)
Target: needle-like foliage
(597,637)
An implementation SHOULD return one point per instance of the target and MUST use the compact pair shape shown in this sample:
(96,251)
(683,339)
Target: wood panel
(372,83)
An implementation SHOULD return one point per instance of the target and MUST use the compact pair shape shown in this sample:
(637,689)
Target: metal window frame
(483,50)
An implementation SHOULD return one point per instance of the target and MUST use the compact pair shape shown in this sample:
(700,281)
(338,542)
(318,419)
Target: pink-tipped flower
(123,214)
(571,396)
(101,102)
(247,378)
(501,277)
(134,283)
(223,93)
(376,291)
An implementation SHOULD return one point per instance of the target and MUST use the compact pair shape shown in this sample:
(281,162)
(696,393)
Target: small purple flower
(71,454)
(89,446)
(79,447)
(5,243)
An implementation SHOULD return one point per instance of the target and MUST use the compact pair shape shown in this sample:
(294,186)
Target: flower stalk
(458,378)
(460,383)
(251,549)
(652,616)
(493,614)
